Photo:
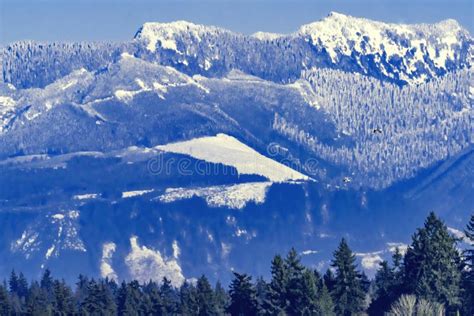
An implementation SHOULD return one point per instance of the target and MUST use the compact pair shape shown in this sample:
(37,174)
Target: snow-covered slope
(231,196)
(229,151)
(166,35)
(392,52)
(412,53)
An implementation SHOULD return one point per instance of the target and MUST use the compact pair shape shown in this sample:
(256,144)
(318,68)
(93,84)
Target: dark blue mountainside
(192,149)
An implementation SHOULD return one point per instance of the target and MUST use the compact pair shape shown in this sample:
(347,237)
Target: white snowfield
(267,36)
(230,151)
(166,33)
(147,264)
(129,194)
(370,260)
(232,196)
(106,270)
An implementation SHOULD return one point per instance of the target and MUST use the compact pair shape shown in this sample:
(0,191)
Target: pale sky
(90,20)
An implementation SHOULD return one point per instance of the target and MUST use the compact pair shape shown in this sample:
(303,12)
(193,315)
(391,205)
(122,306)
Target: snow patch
(129,194)
(266,36)
(392,247)
(145,264)
(166,34)
(87,196)
(309,252)
(106,270)
(232,196)
(370,260)
(6,101)
(229,151)
(460,235)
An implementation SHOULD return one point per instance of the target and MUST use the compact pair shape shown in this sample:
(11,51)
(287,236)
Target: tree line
(433,277)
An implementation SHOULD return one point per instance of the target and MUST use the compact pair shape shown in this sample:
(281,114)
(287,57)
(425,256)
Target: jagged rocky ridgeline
(392,52)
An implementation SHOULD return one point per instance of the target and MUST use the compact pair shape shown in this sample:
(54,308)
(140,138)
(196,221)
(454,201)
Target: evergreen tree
(188,299)
(468,273)
(5,307)
(384,285)
(168,296)
(13,282)
(309,299)
(329,280)
(98,301)
(294,283)
(276,303)
(37,302)
(222,299)
(397,259)
(15,301)
(325,303)
(63,299)
(469,253)
(153,292)
(431,265)
(81,290)
(348,293)
(128,300)
(262,294)
(22,288)
(243,300)
(46,285)
(205,297)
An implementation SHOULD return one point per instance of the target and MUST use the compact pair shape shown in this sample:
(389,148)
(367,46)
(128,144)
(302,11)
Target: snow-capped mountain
(396,53)
(407,53)
(190,145)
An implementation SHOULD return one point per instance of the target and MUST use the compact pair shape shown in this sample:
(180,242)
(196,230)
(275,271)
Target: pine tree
(63,299)
(22,289)
(384,285)
(205,297)
(15,300)
(277,291)
(13,282)
(5,306)
(431,265)
(243,300)
(262,294)
(153,292)
(468,273)
(37,302)
(222,298)
(46,285)
(128,301)
(309,299)
(81,289)
(294,286)
(397,259)
(325,303)
(188,299)
(329,280)
(348,294)
(469,253)
(98,300)
(168,296)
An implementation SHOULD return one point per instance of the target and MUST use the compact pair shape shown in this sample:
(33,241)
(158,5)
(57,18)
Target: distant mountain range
(190,147)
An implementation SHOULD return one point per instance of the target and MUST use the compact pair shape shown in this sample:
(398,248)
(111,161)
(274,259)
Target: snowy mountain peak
(406,46)
(165,34)
(267,36)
